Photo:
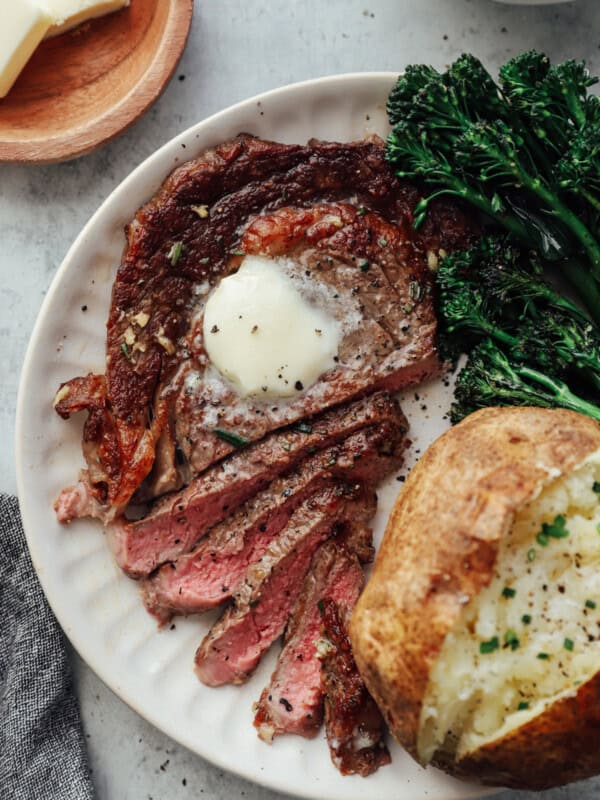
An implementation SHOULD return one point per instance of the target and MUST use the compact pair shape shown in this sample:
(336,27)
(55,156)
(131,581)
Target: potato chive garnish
(590,604)
(554,530)
(523,706)
(568,644)
(526,619)
(508,592)
(488,647)
(175,252)
(511,640)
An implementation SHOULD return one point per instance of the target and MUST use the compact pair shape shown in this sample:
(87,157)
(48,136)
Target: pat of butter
(69,13)
(263,335)
(22,27)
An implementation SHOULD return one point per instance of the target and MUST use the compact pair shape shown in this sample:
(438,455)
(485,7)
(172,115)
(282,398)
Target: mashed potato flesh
(534,633)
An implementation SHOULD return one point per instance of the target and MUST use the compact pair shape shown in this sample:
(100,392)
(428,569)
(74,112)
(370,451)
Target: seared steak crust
(214,570)
(293,700)
(185,240)
(235,644)
(354,726)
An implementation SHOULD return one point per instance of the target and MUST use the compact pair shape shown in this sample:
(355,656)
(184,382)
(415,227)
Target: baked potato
(478,633)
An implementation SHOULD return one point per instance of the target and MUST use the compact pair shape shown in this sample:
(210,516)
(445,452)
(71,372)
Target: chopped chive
(363,265)
(596,487)
(598,527)
(205,260)
(543,656)
(238,253)
(253,603)
(382,242)
(489,646)
(287,446)
(531,554)
(231,438)
(508,592)
(303,427)
(569,644)
(526,619)
(523,706)
(125,351)
(590,604)
(552,530)
(511,639)
(542,539)
(362,211)
(175,252)
(321,607)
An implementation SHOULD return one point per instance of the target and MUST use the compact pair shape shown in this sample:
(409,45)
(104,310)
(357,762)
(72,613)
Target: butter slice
(69,13)
(22,28)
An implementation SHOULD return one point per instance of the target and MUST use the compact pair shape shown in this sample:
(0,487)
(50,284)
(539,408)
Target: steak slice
(214,570)
(236,642)
(185,240)
(354,726)
(177,521)
(293,700)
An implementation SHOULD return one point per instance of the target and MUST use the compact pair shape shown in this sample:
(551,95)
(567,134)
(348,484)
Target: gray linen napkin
(42,750)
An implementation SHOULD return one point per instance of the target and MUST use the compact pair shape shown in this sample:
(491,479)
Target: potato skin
(438,552)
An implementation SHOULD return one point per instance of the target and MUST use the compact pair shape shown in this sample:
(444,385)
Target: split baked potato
(478,633)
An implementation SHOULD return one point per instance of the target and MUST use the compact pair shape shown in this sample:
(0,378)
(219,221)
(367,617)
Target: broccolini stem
(458,189)
(565,214)
(591,198)
(561,391)
(586,286)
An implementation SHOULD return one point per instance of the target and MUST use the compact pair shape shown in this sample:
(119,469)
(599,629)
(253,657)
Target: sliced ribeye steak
(354,726)
(214,570)
(293,700)
(236,642)
(178,520)
(344,223)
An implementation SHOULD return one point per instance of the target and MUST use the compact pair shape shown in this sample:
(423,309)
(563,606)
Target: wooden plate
(82,88)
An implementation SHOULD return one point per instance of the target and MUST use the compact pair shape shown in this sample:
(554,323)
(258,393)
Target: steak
(177,521)
(293,700)
(215,569)
(234,645)
(354,726)
(341,215)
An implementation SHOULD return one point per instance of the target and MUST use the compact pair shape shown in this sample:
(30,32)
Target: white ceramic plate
(95,603)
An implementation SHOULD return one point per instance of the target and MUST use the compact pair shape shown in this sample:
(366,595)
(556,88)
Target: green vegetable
(511,639)
(508,592)
(525,153)
(543,656)
(495,290)
(231,438)
(590,604)
(596,487)
(526,619)
(491,379)
(489,646)
(568,644)
(523,706)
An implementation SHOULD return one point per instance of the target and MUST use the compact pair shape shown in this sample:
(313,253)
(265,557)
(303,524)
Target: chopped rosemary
(489,646)
(231,438)
(414,290)
(175,252)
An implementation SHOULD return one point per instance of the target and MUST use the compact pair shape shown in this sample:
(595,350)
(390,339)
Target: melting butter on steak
(340,216)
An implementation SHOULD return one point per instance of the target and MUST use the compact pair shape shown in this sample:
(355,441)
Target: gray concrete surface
(237,48)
